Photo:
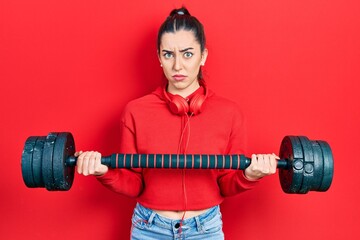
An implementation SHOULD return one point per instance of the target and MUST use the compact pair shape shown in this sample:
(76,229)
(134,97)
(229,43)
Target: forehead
(179,40)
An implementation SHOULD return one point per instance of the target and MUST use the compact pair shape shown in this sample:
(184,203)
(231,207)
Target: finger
(91,163)
(79,163)
(97,165)
(254,161)
(266,166)
(261,163)
(85,166)
(273,163)
(276,156)
(76,154)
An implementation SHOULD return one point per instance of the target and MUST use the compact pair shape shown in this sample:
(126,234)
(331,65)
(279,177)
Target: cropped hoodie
(148,126)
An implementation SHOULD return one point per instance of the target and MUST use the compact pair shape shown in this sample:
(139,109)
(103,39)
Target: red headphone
(178,105)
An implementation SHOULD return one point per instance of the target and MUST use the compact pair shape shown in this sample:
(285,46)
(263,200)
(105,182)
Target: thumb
(76,154)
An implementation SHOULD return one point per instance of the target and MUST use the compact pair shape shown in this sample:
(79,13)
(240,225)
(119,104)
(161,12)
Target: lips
(179,77)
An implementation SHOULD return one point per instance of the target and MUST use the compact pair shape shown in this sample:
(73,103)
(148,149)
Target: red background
(293,66)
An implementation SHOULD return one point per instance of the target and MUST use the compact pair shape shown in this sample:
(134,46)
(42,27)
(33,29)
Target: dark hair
(180,19)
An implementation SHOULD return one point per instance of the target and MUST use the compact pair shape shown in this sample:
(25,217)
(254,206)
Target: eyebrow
(183,50)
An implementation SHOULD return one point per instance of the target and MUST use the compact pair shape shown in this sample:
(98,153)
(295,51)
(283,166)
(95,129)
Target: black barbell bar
(49,162)
(181,161)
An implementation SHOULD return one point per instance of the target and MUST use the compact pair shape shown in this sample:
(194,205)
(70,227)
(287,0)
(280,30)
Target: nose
(177,63)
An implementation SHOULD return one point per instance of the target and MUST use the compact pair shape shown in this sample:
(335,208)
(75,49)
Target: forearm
(232,182)
(124,181)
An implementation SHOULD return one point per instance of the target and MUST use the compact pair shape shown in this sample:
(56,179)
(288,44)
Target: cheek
(194,68)
(166,69)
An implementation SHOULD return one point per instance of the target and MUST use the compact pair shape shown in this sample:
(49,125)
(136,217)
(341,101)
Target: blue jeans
(146,224)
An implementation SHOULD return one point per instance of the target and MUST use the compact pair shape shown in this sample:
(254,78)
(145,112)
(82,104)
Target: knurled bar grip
(180,161)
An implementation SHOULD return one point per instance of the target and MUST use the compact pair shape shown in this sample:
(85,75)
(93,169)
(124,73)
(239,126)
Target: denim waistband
(151,217)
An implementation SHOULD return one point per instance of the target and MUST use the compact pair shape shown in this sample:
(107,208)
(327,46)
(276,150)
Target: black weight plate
(318,166)
(37,162)
(26,162)
(47,161)
(63,175)
(328,166)
(291,178)
(308,173)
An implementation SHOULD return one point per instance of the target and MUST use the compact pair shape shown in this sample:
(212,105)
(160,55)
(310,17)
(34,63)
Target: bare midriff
(175,215)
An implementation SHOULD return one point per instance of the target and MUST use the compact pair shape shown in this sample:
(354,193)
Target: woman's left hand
(261,165)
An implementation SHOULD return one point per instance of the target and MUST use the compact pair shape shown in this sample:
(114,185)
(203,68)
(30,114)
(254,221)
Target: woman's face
(181,57)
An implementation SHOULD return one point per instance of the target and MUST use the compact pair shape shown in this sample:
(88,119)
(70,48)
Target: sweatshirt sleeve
(128,182)
(232,182)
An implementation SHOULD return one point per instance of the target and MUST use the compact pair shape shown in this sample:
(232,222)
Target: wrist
(250,177)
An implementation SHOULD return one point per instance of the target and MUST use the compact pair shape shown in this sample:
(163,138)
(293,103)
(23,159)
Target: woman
(183,116)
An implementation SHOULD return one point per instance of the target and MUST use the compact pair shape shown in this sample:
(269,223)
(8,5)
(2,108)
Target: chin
(181,85)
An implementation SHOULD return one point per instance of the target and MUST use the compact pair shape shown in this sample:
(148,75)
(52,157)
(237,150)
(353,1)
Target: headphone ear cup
(178,105)
(196,104)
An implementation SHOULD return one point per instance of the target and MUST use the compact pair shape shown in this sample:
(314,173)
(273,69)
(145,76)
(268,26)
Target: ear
(204,56)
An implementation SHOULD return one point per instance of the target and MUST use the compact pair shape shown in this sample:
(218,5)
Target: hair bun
(180,11)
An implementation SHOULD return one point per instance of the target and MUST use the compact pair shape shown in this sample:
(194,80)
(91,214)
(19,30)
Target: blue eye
(168,55)
(188,54)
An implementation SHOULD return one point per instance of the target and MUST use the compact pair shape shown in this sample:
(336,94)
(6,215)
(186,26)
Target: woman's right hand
(89,163)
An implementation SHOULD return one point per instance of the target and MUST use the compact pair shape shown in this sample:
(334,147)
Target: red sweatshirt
(149,127)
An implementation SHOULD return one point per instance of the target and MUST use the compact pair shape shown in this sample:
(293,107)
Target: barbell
(305,165)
